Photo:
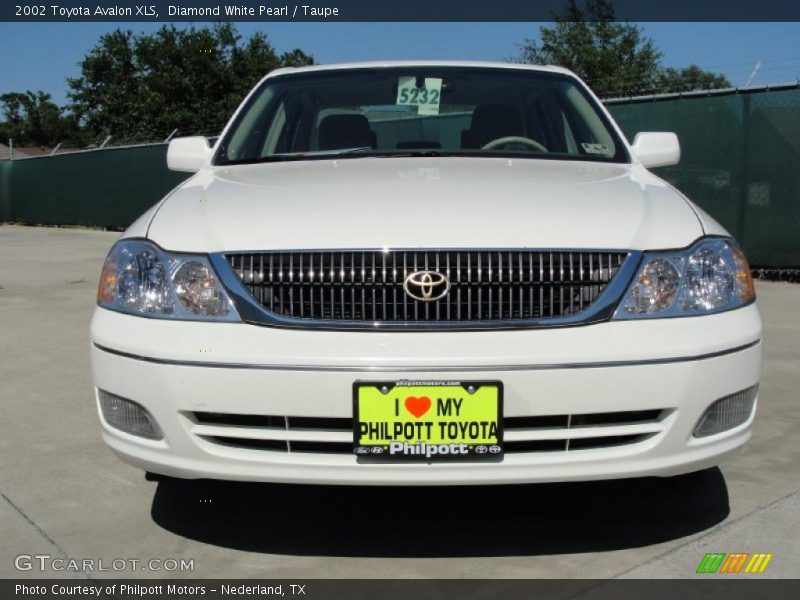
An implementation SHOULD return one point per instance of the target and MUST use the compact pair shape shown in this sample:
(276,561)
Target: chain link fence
(106,188)
(740,162)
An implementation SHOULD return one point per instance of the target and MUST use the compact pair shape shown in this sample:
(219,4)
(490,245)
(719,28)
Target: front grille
(325,435)
(367,287)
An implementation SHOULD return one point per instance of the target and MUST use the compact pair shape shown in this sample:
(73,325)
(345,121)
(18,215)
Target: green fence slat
(739,162)
(104,188)
(5,191)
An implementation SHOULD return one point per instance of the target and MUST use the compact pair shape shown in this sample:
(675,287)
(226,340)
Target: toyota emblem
(426,286)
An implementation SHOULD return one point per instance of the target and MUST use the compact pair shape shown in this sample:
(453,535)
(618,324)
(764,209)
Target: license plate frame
(485,448)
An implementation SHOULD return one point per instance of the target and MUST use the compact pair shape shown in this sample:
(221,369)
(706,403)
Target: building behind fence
(740,162)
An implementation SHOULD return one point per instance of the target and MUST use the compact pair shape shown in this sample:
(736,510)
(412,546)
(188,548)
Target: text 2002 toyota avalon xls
(425,273)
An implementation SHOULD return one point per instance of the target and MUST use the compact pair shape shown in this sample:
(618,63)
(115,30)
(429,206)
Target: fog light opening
(128,416)
(727,413)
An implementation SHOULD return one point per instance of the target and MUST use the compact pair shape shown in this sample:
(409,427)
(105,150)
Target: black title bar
(704,588)
(166,11)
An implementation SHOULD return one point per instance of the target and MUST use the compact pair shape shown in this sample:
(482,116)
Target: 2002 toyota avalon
(425,273)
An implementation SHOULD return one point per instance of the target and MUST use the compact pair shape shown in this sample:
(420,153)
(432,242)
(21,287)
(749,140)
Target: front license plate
(428,420)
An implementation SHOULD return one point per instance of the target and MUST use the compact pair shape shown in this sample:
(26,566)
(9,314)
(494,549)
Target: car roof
(421,63)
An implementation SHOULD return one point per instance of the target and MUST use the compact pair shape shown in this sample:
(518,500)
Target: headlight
(711,276)
(140,278)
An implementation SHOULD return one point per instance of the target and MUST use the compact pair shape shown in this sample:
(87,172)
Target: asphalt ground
(63,494)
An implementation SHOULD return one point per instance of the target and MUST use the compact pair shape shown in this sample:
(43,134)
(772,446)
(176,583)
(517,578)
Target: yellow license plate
(428,420)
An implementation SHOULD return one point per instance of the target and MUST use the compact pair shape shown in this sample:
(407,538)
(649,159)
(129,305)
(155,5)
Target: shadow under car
(461,521)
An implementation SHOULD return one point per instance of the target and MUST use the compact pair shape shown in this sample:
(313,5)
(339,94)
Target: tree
(615,59)
(690,78)
(105,97)
(33,119)
(141,87)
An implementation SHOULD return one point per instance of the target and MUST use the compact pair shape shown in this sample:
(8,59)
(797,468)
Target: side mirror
(188,153)
(657,149)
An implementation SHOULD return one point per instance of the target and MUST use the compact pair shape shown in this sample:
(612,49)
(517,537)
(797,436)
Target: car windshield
(420,111)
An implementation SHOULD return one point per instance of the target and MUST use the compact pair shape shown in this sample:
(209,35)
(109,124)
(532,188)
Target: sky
(40,56)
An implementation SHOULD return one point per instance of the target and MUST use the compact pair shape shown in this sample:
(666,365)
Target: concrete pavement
(62,493)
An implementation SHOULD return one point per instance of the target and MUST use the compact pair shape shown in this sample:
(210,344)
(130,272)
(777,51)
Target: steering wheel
(514,139)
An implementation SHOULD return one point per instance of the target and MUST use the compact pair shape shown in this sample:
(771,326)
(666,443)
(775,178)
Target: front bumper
(675,366)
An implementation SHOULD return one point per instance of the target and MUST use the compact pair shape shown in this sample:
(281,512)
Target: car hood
(425,202)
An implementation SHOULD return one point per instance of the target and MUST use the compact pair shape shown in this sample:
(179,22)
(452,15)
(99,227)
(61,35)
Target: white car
(425,273)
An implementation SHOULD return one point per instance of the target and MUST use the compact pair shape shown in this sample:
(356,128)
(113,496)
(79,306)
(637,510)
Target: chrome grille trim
(334,435)
(363,289)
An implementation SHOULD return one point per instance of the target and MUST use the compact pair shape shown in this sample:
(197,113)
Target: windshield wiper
(281,156)
(321,154)
(384,153)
